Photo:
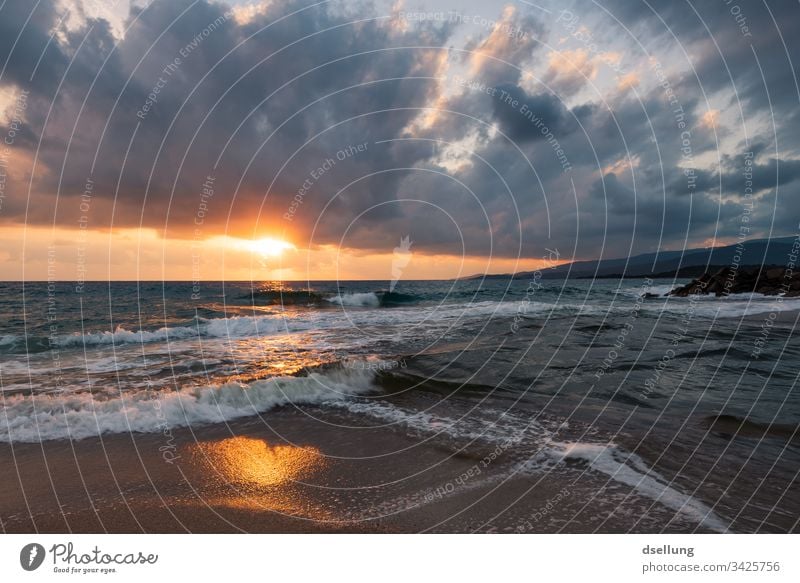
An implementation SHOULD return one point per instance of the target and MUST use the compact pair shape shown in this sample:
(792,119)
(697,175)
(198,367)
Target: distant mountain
(686,263)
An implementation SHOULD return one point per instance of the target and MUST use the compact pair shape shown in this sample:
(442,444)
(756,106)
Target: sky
(299,140)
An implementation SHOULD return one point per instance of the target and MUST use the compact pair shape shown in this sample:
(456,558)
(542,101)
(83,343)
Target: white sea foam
(233,327)
(243,326)
(609,459)
(124,336)
(237,327)
(267,325)
(637,291)
(710,306)
(80,415)
(733,306)
(497,426)
(631,470)
(661,290)
(368,299)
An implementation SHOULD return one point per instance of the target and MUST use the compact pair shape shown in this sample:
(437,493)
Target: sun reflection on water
(280,355)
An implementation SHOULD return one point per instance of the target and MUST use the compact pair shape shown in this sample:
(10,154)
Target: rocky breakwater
(770,281)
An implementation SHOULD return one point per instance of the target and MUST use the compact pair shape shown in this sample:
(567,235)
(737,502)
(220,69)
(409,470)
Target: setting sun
(264,247)
(269,247)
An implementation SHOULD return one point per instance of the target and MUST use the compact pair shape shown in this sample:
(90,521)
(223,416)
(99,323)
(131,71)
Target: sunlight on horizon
(269,246)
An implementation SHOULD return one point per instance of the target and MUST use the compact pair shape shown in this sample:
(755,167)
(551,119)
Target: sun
(269,247)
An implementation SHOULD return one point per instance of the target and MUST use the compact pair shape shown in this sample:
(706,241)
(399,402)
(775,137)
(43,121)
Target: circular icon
(31,556)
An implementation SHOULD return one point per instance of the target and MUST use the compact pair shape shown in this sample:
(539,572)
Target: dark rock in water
(775,273)
(728,280)
(650,296)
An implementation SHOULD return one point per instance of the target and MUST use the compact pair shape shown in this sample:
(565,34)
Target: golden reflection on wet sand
(257,475)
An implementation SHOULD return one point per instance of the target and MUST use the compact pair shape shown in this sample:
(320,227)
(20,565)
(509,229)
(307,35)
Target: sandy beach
(299,474)
(311,478)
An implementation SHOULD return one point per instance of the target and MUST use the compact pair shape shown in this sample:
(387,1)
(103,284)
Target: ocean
(643,412)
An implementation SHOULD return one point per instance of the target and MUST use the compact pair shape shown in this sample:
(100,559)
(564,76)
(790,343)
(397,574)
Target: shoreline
(297,475)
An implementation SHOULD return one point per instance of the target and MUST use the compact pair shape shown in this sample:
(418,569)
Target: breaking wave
(27,418)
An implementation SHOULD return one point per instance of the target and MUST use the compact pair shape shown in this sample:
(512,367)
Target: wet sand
(295,475)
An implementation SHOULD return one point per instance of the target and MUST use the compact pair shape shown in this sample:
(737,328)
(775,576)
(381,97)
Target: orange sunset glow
(69,255)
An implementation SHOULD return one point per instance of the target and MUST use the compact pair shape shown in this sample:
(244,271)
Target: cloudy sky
(196,139)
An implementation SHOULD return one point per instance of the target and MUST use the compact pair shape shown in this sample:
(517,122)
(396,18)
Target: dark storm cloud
(30,42)
(741,56)
(522,116)
(252,95)
(276,99)
(748,49)
(740,173)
